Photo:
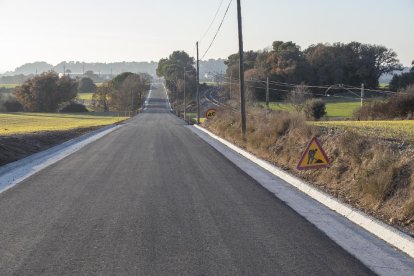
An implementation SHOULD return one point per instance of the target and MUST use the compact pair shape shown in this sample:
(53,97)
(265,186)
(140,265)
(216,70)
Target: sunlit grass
(342,109)
(8,85)
(85,96)
(23,123)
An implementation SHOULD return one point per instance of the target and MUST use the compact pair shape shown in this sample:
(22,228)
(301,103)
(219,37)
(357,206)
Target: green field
(23,123)
(192,116)
(343,109)
(8,85)
(401,130)
(85,96)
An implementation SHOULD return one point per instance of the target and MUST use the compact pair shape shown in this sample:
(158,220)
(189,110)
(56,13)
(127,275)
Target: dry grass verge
(370,173)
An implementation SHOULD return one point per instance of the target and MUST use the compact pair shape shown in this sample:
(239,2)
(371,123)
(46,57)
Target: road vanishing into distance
(152,198)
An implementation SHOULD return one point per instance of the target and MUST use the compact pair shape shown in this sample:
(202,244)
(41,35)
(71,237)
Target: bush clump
(314,109)
(9,103)
(400,106)
(74,108)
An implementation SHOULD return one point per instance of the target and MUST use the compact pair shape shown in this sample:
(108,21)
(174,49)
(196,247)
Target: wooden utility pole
(198,88)
(267,93)
(231,79)
(185,102)
(176,96)
(241,68)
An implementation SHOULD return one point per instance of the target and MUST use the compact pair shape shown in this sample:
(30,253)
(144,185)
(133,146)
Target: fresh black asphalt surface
(154,199)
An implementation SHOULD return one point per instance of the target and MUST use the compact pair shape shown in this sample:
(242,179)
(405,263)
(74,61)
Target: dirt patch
(372,174)
(16,147)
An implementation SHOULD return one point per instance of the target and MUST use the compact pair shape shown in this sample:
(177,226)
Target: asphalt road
(153,199)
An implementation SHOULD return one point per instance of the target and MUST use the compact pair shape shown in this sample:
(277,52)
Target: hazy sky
(144,30)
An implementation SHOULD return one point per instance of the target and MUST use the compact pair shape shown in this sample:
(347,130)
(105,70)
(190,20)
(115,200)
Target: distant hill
(209,67)
(79,67)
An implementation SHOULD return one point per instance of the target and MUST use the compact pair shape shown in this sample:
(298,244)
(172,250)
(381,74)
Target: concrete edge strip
(14,173)
(383,231)
(168,98)
(147,99)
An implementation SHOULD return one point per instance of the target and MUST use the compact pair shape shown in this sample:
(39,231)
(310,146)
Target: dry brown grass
(370,173)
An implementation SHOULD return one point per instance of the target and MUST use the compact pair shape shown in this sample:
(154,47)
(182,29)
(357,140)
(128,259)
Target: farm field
(8,85)
(343,109)
(400,130)
(24,123)
(85,96)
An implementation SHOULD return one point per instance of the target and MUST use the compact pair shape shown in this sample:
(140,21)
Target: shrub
(314,109)
(402,81)
(371,111)
(13,105)
(399,106)
(74,108)
(298,96)
(9,103)
(86,85)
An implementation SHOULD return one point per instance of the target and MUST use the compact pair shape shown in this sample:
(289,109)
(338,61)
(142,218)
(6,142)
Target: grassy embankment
(369,172)
(24,123)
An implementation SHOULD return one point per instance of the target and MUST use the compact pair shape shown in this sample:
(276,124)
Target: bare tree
(101,97)
(298,96)
(129,94)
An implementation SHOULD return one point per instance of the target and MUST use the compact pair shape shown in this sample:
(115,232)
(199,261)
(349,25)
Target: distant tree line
(81,67)
(95,71)
(49,92)
(400,82)
(321,64)
(15,79)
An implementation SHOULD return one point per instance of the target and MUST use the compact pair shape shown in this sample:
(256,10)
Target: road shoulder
(374,252)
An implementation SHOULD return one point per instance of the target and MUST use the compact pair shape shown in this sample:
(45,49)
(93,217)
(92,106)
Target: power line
(211,24)
(218,30)
(306,93)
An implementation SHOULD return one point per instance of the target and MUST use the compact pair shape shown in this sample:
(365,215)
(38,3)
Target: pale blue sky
(144,30)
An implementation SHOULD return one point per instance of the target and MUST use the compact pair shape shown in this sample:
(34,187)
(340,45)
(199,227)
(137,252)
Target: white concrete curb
(385,232)
(168,98)
(14,173)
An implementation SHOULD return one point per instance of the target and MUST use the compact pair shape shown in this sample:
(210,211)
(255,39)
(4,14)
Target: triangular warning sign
(314,157)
